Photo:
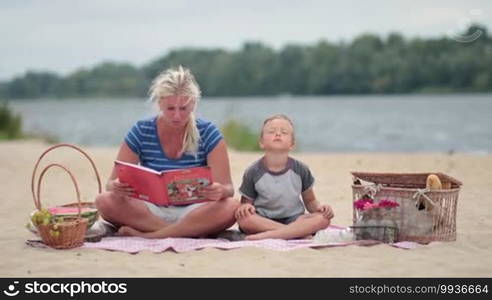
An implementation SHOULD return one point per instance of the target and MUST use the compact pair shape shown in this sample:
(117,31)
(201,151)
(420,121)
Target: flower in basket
(388,204)
(375,220)
(380,210)
(363,202)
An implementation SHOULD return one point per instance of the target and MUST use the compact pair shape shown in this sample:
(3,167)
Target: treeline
(368,64)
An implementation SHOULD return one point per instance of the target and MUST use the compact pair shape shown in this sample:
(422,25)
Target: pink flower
(369,205)
(388,203)
(359,204)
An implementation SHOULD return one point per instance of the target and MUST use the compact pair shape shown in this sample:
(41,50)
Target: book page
(183,185)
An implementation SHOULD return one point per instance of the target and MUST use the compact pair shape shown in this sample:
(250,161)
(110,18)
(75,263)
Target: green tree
(10,123)
(367,64)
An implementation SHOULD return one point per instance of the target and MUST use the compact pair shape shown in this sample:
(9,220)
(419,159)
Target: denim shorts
(284,221)
(172,214)
(288,220)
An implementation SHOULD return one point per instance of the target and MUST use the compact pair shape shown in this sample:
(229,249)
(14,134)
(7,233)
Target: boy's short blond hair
(283,117)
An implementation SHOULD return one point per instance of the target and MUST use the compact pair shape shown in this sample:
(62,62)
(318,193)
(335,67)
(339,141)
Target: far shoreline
(321,97)
(41,140)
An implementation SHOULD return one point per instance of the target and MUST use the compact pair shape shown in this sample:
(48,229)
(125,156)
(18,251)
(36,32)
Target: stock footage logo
(61,286)
(466,33)
(11,290)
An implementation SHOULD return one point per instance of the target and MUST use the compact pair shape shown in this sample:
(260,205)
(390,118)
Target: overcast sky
(64,35)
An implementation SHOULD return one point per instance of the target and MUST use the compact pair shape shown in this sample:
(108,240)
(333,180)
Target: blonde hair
(283,117)
(179,82)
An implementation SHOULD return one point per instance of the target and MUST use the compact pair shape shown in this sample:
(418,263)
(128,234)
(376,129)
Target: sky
(62,36)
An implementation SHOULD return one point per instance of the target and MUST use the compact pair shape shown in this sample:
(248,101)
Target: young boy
(273,186)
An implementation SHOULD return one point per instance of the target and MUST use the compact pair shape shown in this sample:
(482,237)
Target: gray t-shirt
(277,195)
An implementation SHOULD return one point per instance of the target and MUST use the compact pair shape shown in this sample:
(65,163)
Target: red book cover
(173,187)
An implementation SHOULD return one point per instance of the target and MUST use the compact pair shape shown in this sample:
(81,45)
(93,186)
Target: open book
(173,187)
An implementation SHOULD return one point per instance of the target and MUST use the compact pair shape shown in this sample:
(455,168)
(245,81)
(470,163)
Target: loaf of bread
(433,182)
(446,185)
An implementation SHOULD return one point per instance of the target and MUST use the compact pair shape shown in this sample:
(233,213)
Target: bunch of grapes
(44,217)
(55,228)
(41,217)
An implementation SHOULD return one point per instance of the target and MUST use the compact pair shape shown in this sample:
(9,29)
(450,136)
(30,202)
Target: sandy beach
(469,256)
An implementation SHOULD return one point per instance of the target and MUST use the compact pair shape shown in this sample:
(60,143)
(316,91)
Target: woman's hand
(214,192)
(120,189)
(245,210)
(326,211)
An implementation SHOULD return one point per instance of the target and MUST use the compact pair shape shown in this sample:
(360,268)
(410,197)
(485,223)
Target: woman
(171,140)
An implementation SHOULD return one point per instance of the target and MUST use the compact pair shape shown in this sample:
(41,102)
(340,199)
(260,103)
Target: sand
(469,256)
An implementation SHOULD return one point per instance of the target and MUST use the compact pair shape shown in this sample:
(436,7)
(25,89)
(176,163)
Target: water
(460,123)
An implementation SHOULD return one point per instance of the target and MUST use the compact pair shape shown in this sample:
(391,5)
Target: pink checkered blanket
(137,244)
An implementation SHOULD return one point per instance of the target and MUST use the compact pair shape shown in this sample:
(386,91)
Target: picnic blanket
(137,244)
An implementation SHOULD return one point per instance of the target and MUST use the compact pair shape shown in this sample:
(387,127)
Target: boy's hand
(245,210)
(326,211)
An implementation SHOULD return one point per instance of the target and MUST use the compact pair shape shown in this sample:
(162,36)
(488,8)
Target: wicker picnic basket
(435,222)
(71,230)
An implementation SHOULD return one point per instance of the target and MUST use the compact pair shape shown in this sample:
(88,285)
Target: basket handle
(37,200)
(52,148)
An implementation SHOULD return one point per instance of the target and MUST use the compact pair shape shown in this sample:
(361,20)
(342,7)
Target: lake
(450,123)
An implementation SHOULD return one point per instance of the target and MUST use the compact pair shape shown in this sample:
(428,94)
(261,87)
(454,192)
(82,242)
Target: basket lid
(404,179)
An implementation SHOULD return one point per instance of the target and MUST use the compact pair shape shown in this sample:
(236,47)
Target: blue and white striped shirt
(144,141)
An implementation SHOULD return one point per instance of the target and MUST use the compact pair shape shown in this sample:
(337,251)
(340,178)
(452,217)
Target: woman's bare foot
(128,231)
(254,237)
